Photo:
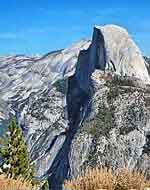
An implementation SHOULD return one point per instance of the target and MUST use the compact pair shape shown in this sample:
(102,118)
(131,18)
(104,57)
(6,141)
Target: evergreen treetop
(14,153)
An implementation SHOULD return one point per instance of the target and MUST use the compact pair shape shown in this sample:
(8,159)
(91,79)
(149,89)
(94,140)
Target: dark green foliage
(100,126)
(45,186)
(61,86)
(14,153)
(102,123)
(113,93)
(123,81)
(119,85)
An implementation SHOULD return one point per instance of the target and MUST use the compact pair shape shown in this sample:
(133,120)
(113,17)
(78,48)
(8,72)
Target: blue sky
(40,26)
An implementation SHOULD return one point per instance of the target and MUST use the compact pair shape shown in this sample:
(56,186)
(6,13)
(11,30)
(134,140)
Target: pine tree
(14,153)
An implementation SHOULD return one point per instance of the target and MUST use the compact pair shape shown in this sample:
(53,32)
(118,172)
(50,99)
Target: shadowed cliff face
(91,59)
(80,84)
(79,93)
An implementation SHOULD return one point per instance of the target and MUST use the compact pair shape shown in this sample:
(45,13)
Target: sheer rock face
(59,98)
(123,53)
